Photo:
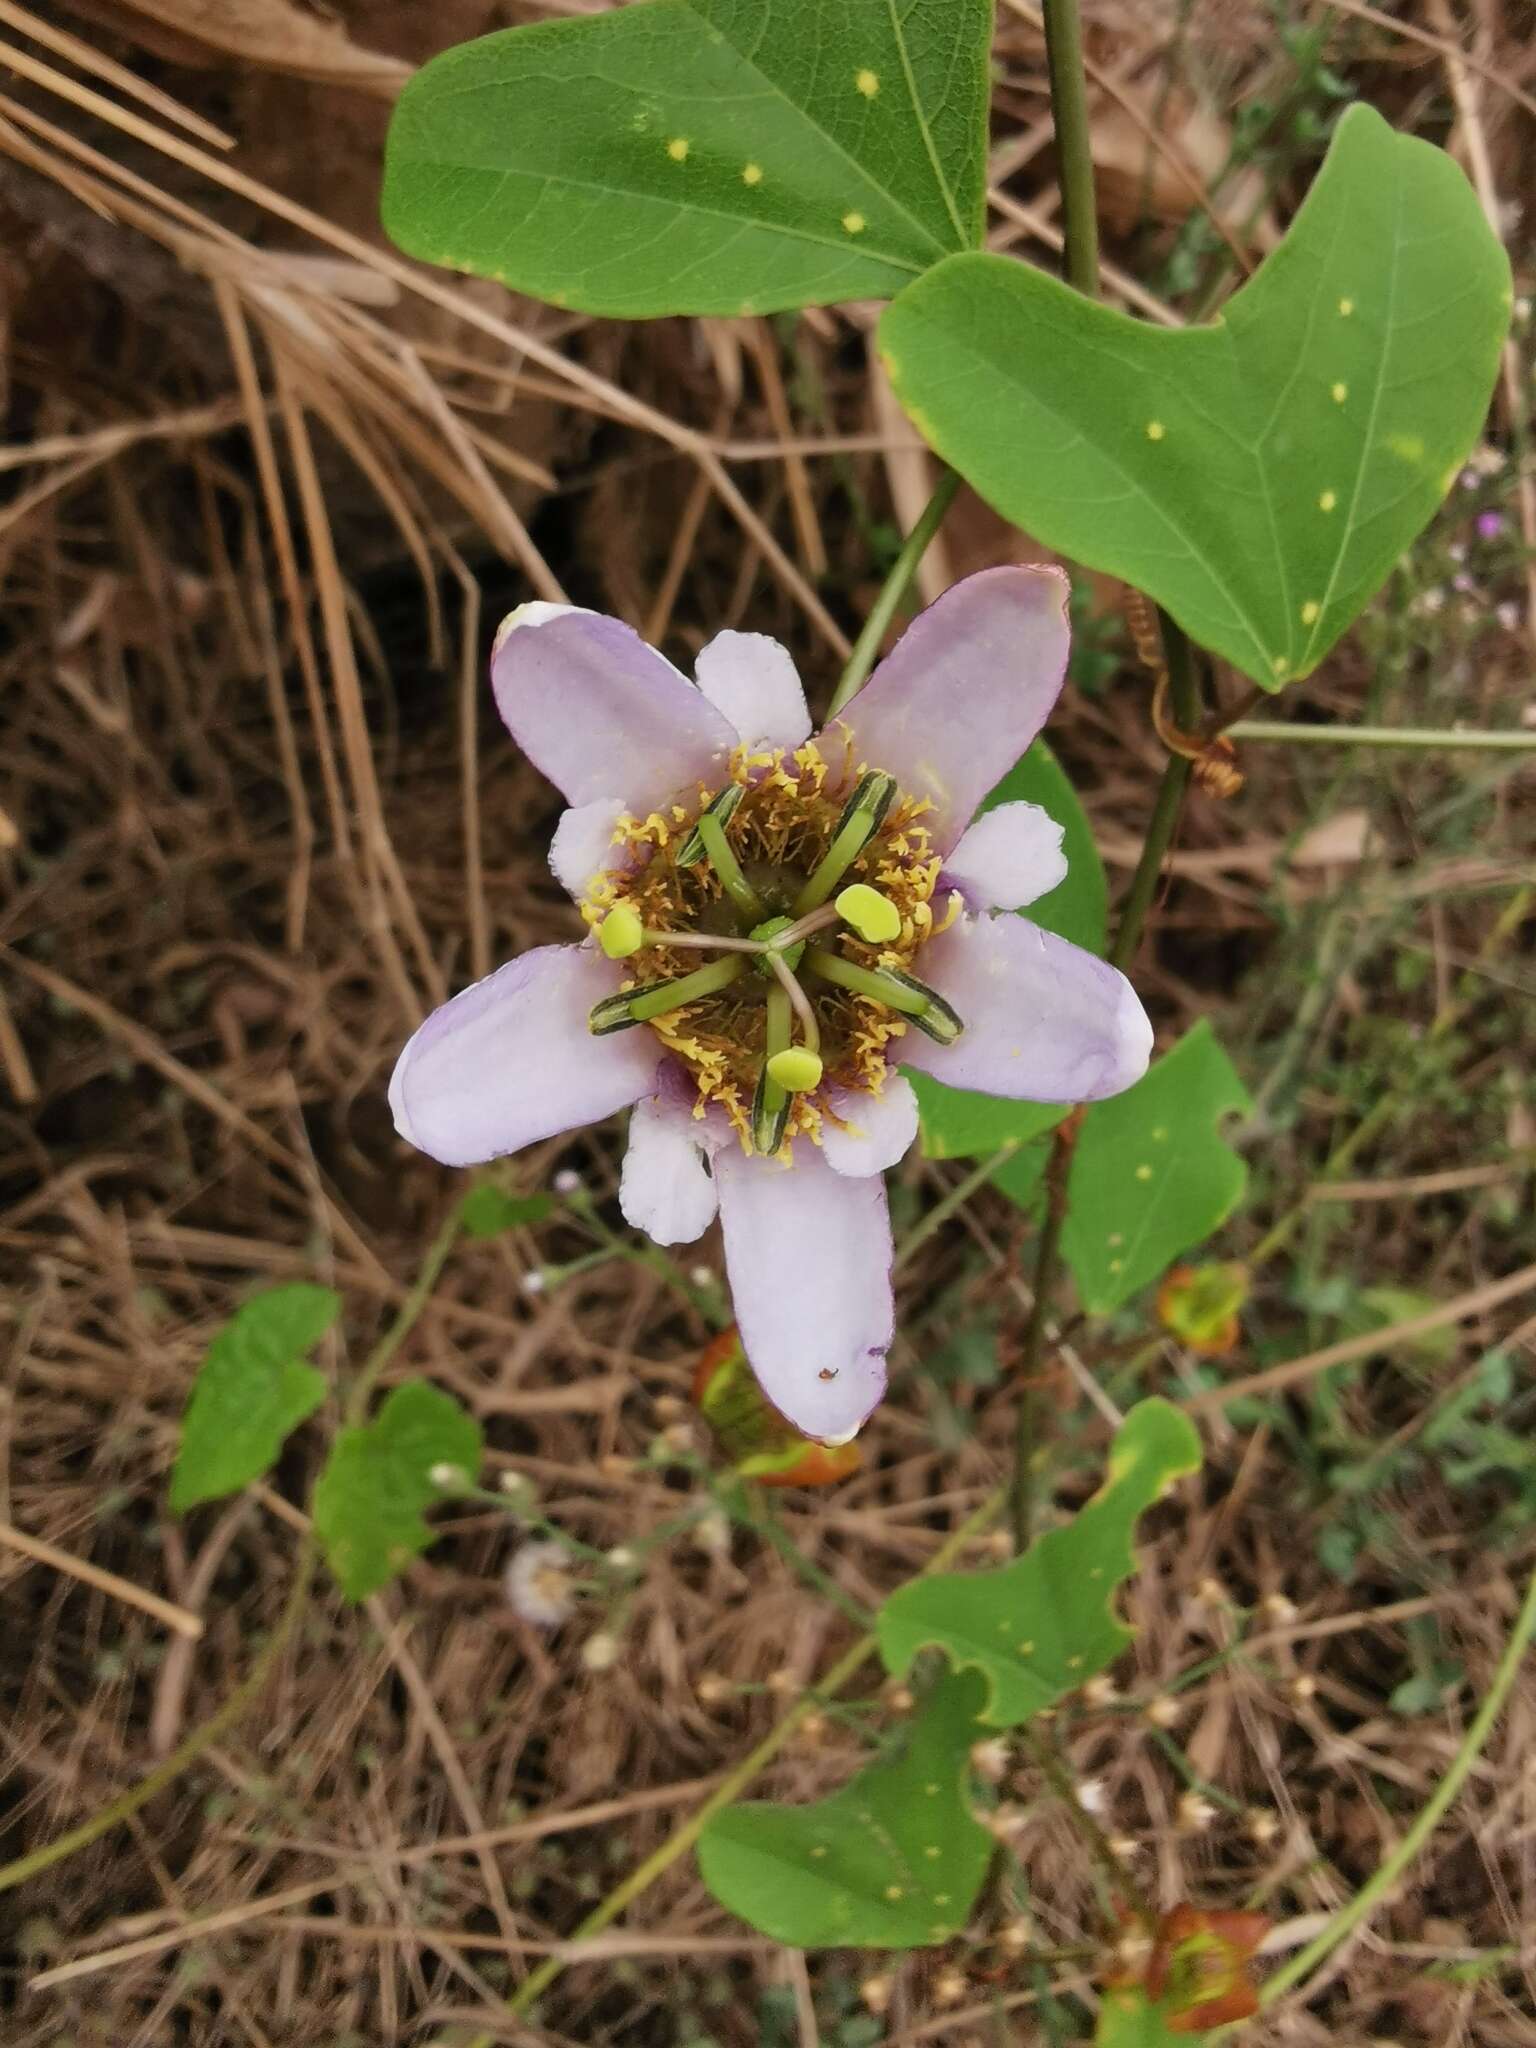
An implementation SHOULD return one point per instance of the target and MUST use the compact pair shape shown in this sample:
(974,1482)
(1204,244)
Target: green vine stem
(862,659)
(1426,737)
(233,1710)
(1378,1887)
(1069,113)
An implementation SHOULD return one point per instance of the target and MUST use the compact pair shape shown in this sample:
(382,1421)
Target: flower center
(767,937)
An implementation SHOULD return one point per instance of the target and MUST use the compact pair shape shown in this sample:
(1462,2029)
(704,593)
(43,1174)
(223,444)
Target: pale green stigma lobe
(621,932)
(796,1069)
(640,1005)
(874,917)
(903,993)
(862,817)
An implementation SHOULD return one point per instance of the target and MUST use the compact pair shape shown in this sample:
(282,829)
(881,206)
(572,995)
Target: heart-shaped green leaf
(378,1479)
(1039,1628)
(700,156)
(956,1122)
(252,1388)
(1152,1173)
(1258,476)
(893,1860)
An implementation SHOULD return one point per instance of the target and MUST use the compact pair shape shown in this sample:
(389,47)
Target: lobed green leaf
(1152,1173)
(1040,1627)
(893,1860)
(1260,475)
(377,1480)
(699,156)
(251,1390)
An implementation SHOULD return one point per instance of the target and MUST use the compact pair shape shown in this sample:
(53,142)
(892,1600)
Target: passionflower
(777,924)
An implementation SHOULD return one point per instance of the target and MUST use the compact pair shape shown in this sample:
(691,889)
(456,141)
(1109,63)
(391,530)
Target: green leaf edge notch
(1155,1445)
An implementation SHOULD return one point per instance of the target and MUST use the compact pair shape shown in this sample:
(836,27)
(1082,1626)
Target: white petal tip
(537,612)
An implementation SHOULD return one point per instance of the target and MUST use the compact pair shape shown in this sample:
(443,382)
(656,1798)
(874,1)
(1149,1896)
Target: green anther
(723,807)
(726,866)
(770,1104)
(862,817)
(901,992)
(874,917)
(640,1005)
(768,930)
(796,1069)
(621,932)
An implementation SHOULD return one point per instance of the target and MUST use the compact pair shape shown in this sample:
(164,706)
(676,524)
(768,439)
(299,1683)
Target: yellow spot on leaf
(1327,501)
(867,82)
(1309,612)
(893,1891)
(677,149)
(1409,446)
(1026,1649)
(751,174)
(1160,1135)
(853,223)
(1155,430)
(1115,1237)
(933,1849)
(819,1850)
(932,1791)
(1346,307)
(1279,664)
(1339,393)
(1116,1265)
(1143,1173)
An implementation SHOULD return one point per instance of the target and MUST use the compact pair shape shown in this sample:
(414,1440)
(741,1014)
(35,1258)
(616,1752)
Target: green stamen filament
(903,992)
(861,819)
(639,1006)
(770,1106)
(875,982)
(727,868)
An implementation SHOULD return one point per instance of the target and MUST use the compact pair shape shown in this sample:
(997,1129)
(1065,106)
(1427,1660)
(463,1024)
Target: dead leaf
(271,35)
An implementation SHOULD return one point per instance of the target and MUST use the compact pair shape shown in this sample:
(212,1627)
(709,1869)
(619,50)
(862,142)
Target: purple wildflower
(840,901)
(1490,525)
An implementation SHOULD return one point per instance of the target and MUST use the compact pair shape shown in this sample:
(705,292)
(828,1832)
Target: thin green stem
(1378,1887)
(1074,153)
(947,1205)
(730,1788)
(892,591)
(761,1517)
(233,1709)
(1419,736)
(1060,1782)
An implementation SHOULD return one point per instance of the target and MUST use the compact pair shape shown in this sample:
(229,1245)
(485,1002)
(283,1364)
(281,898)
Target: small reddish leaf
(1200,1305)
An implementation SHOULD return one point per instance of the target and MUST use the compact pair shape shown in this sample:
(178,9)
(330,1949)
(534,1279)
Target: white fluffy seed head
(538,1584)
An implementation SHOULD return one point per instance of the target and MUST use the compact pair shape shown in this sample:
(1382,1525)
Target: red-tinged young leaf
(750,1431)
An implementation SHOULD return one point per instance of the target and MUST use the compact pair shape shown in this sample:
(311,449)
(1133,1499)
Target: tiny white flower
(622,1558)
(533,1283)
(567,1181)
(1508,615)
(538,1584)
(701,1276)
(712,1533)
(990,1759)
(600,1652)
(448,1478)
(1090,1795)
(1195,1813)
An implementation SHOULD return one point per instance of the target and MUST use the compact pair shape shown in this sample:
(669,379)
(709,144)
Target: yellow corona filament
(797,1070)
(621,932)
(874,917)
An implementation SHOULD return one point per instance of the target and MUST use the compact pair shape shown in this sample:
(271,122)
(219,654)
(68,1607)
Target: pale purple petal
(597,710)
(666,1188)
(808,1255)
(1044,1021)
(752,681)
(583,849)
(876,1130)
(964,690)
(511,1060)
(1006,858)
